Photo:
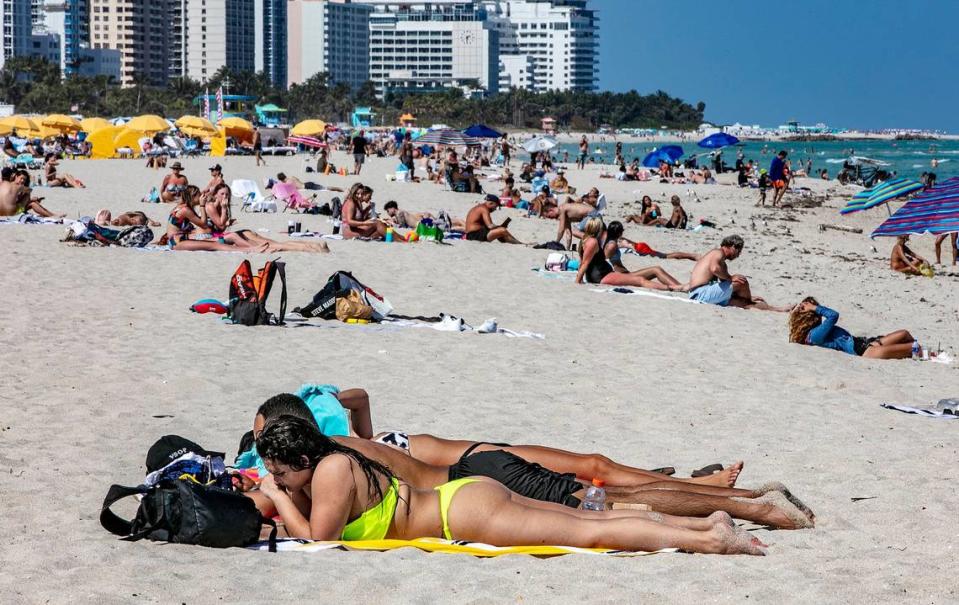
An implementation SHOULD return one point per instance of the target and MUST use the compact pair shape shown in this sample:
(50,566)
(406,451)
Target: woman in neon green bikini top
(360,499)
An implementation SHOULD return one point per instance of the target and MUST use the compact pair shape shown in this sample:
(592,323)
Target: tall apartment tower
(76,34)
(328,36)
(270,40)
(214,34)
(560,37)
(139,29)
(424,46)
(16,18)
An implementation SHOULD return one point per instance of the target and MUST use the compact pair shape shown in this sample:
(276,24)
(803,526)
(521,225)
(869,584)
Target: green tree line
(34,86)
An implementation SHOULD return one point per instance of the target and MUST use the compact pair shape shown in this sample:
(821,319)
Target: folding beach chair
(253,201)
(291,197)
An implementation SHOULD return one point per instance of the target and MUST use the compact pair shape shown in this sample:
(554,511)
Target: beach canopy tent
(666,153)
(101,142)
(91,125)
(127,137)
(935,210)
(880,194)
(447,136)
(308,128)
(148,124)
(718,140)
(61,123)
(311,142)
(537,144)
(482,131)
(196,126)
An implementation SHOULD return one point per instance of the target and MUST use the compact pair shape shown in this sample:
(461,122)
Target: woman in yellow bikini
(362,500)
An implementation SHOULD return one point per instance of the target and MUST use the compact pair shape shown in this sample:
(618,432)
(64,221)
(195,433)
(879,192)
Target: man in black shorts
(480,227)
(360,149)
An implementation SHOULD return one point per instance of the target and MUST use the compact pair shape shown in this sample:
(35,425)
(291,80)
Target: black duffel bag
(187,512)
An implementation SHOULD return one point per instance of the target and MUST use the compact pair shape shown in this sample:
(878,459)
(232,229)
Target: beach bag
(352,306)
(249,293)
(138,236)
(557,261)
(186,512)
(337,286)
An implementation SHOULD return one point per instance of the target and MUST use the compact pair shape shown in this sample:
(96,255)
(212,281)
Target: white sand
(97,342)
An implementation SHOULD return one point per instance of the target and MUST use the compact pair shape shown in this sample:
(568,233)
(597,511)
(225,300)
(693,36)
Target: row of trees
(34,86)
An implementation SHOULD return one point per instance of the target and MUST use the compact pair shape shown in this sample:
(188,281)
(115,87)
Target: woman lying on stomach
(360,499)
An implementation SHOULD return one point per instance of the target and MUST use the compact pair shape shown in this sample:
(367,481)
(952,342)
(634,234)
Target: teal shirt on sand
(326,408)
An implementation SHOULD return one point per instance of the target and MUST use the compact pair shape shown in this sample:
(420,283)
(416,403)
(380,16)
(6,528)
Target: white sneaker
(489,326)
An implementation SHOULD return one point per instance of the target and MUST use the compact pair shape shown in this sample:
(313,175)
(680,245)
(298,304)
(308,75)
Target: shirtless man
(768,505)
(574,211)
(216,179)
(404,219)
(173,184)
(711,282)
(480,227)
(15,197)
(583,152)
(904,260)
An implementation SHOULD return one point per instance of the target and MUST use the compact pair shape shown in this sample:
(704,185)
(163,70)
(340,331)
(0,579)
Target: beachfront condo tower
(15,15)
(331,37)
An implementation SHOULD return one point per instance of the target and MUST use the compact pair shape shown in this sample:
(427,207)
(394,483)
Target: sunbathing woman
(600,263)
(126,219)
(64,180)
(363,500)
(614,231)
(357,216)
(649,213)
(813,324)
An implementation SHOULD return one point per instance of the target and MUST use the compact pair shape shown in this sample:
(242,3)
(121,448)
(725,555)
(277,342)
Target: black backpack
(249,293)
(186,512)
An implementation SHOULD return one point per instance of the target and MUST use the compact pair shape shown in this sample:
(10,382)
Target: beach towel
(630,292)
(395,325)
(29,219)
(928,413)
(476,549)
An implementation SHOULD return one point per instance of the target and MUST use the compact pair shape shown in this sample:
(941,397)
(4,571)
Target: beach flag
(219,103)
(206,104)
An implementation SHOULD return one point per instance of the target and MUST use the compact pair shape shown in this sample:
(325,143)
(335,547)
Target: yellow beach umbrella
(91,125)
(102,142)
(195,126)
(235,123)
(129,137)
(61,122)
(41,132)
(19,123)
(308,128)
(148,124)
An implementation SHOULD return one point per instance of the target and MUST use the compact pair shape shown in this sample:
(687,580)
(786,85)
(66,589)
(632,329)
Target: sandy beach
(102,356)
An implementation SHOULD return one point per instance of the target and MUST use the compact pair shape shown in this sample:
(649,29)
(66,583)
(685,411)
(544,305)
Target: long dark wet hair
(288,439)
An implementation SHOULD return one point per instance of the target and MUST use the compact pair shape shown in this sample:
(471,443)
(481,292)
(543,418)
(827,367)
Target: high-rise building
(48,31)
(270,40)
(423,46)
(46,45)
(16,18)
(559,36)
(76,34)
(214,34)
(328,36)
(140,30)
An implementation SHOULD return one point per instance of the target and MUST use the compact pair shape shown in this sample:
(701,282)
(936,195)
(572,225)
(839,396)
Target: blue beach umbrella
(482,131)
(935,210)
(447,137)
(880,194)
(718,140)
(666,153)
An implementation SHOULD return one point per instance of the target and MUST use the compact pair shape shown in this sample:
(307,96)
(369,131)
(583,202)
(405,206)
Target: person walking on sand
(505,149)
(711,282)
(952,245)
(480,226)
(258,147)
(583,152)
(359,147)
(777,174)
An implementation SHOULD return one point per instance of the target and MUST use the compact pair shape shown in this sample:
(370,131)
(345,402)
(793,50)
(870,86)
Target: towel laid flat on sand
(640,292)
(392,325)
(939,414)
(29,219)
(477,549)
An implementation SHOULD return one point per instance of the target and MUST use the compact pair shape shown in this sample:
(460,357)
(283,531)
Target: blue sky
(843,62)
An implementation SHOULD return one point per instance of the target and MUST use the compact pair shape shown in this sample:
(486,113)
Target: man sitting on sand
(904,260)
(712,284)
(425,461)
(480,227)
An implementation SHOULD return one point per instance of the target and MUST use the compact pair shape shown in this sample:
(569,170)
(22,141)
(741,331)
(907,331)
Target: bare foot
(731,542)
(721,517)
(780,512)
(776,486)
(724,478)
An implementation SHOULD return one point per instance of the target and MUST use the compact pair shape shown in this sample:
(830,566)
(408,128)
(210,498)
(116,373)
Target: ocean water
(906,158)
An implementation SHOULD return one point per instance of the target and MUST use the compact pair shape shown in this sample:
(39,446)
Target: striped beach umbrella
(447,136)
(935,210)
(880,194)
(313,142)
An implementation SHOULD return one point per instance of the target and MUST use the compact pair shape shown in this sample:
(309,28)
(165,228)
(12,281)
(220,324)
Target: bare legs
(952,241)
(568,214)
(895,345)
(501,234)
(743,297)
(643,278)
(489,513)
(37,208)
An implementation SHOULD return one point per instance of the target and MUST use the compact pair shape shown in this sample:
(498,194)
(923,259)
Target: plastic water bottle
(389,234)
(595,498)
(916,355)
